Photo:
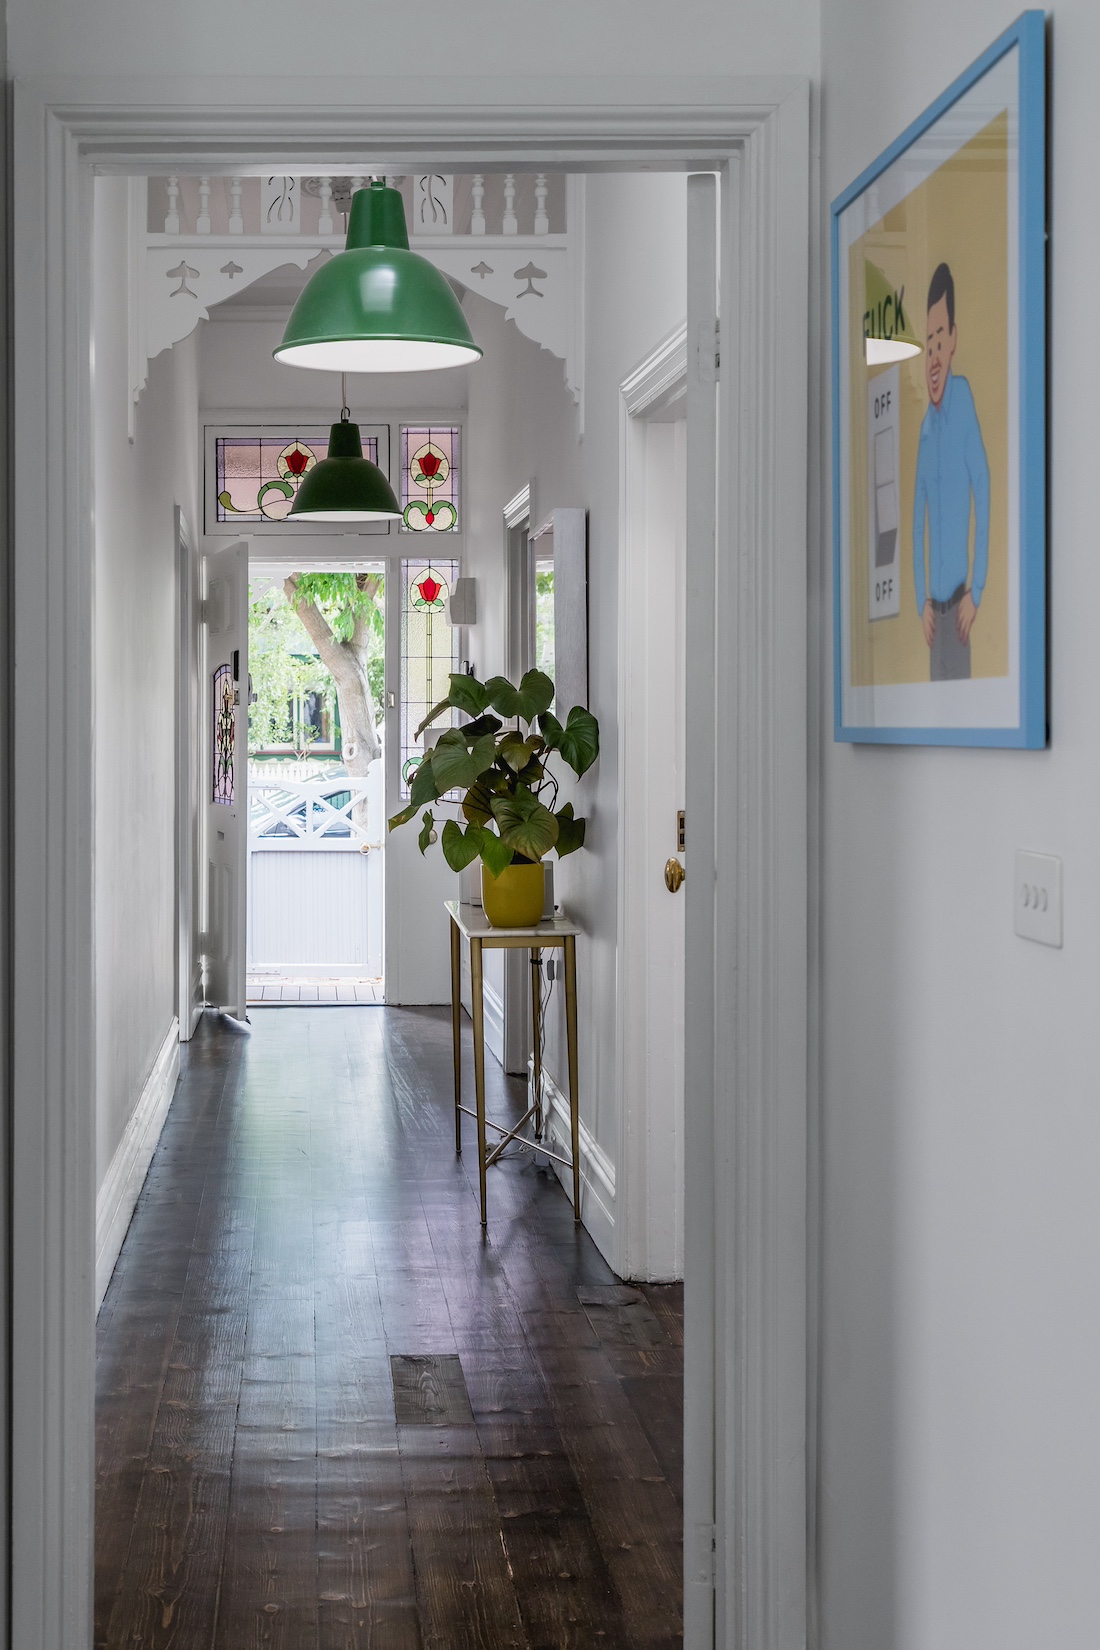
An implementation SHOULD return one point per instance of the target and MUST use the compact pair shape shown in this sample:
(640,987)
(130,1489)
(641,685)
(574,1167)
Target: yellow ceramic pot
(514,899)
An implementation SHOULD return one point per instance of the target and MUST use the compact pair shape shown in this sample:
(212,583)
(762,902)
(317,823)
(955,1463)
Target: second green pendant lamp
(345,486)
(376,306)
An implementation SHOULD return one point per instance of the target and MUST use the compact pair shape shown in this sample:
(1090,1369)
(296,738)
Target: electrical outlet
(1038,897)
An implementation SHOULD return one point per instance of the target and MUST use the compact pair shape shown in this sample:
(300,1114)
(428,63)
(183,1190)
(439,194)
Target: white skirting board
(597,1170)
(121,1188)
(494,1022)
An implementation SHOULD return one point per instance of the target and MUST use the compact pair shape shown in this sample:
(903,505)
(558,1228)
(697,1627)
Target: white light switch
(1039,897)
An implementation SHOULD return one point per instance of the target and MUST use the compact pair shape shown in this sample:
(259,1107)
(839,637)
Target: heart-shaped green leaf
(517,751)
(551,729)
(579,741)
(455,765)
(481,724)
(468,694)
(423,788)
(570,831)
(534,694)
(496,854)
(477,804)
(460,847)
(525,824)
(444,704)
(403,817)
(424,840)
(532,773)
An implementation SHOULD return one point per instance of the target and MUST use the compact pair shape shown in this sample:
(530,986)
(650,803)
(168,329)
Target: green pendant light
(345,486)
(376,306)
(887,332)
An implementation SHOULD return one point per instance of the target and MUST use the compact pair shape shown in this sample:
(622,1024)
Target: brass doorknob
(674,875)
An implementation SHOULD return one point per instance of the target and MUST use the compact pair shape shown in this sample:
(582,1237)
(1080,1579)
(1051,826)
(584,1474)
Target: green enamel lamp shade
(345,486)
(376,306)
(887,332)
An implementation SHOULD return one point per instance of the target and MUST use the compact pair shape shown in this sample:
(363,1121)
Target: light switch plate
(1038,897)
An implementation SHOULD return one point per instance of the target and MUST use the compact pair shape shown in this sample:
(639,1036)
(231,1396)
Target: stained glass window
(224,735)
(429,478)
(258,475)
(428,652)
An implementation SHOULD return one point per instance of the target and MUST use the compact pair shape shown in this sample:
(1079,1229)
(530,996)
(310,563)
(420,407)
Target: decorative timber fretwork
(515,238)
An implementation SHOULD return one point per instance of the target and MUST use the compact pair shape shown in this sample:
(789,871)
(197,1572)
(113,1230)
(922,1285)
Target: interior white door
(225,774)
(649,1216)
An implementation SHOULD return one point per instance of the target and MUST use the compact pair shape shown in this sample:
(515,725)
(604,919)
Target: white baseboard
(494,1021)
(597,1170)
(124,1179)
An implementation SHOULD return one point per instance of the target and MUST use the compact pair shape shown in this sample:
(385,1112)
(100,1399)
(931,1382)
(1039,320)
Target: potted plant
(509,806)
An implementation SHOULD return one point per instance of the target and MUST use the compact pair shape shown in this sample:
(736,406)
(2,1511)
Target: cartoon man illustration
(952,468)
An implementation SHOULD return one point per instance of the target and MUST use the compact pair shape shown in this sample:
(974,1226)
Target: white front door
(225,774)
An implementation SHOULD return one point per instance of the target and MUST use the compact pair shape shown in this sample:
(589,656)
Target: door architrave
(754,133)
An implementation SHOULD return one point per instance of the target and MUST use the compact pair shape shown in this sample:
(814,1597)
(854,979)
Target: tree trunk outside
(346,662)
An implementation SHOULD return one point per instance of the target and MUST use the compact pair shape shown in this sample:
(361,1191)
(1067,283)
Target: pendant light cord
(345,410)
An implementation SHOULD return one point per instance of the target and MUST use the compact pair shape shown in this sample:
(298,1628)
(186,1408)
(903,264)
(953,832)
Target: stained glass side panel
(430,478)
(258,475)
(428,653)
(223,736)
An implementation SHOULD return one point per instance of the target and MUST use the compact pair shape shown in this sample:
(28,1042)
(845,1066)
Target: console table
(554,934)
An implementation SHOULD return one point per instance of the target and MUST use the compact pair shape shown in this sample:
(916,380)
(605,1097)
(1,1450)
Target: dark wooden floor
(330,1415)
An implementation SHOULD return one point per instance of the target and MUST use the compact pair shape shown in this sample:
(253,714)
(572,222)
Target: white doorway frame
(754,134)
(655,390)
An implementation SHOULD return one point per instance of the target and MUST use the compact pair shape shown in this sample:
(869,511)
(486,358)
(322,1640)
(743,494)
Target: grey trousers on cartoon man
(950,661)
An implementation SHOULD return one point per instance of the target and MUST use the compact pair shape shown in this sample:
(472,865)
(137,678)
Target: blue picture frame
(875,701)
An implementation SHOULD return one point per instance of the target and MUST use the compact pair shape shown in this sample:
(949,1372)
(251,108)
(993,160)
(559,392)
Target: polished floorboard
(331,1415)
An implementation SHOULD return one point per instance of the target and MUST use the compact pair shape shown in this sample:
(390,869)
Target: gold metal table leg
(477,993)
(574,1084)
(536,1038)
(456,1026)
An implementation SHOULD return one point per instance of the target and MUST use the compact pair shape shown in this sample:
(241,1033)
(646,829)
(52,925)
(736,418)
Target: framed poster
(939,418)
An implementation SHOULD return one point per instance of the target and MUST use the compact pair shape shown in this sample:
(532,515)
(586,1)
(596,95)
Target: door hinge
(708,353)
(704,1554)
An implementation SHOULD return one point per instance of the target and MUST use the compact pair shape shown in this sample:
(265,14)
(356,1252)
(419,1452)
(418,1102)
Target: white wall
(135,640)
(491,37)
(960,1446)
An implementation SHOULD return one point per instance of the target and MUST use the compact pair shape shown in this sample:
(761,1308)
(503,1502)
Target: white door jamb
(753,133)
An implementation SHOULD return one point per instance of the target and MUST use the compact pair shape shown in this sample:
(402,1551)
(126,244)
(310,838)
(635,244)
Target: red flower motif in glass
(429,588)
(296,461)
(429,465)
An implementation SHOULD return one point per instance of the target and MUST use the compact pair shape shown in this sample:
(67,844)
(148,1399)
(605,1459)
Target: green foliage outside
(544,620)
(511,794)
(285,665)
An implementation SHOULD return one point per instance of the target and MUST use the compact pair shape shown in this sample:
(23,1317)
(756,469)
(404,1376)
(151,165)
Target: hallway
(330,1415)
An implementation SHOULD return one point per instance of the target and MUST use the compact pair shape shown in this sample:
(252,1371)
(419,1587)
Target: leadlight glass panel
(258,475)
(224,735)
(428,653)
(429,478)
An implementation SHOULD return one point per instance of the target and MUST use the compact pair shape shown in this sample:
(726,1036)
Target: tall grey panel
(570,534)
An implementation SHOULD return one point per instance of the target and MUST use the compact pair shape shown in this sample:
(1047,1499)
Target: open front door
(225,772)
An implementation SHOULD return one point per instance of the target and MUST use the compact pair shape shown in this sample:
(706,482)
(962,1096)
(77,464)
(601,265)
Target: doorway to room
(759,306)
(317,729)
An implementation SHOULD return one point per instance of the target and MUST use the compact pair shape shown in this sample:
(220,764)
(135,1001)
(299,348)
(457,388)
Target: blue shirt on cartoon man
(952,469)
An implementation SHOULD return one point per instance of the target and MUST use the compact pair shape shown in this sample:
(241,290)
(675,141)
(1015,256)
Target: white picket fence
(315,869)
